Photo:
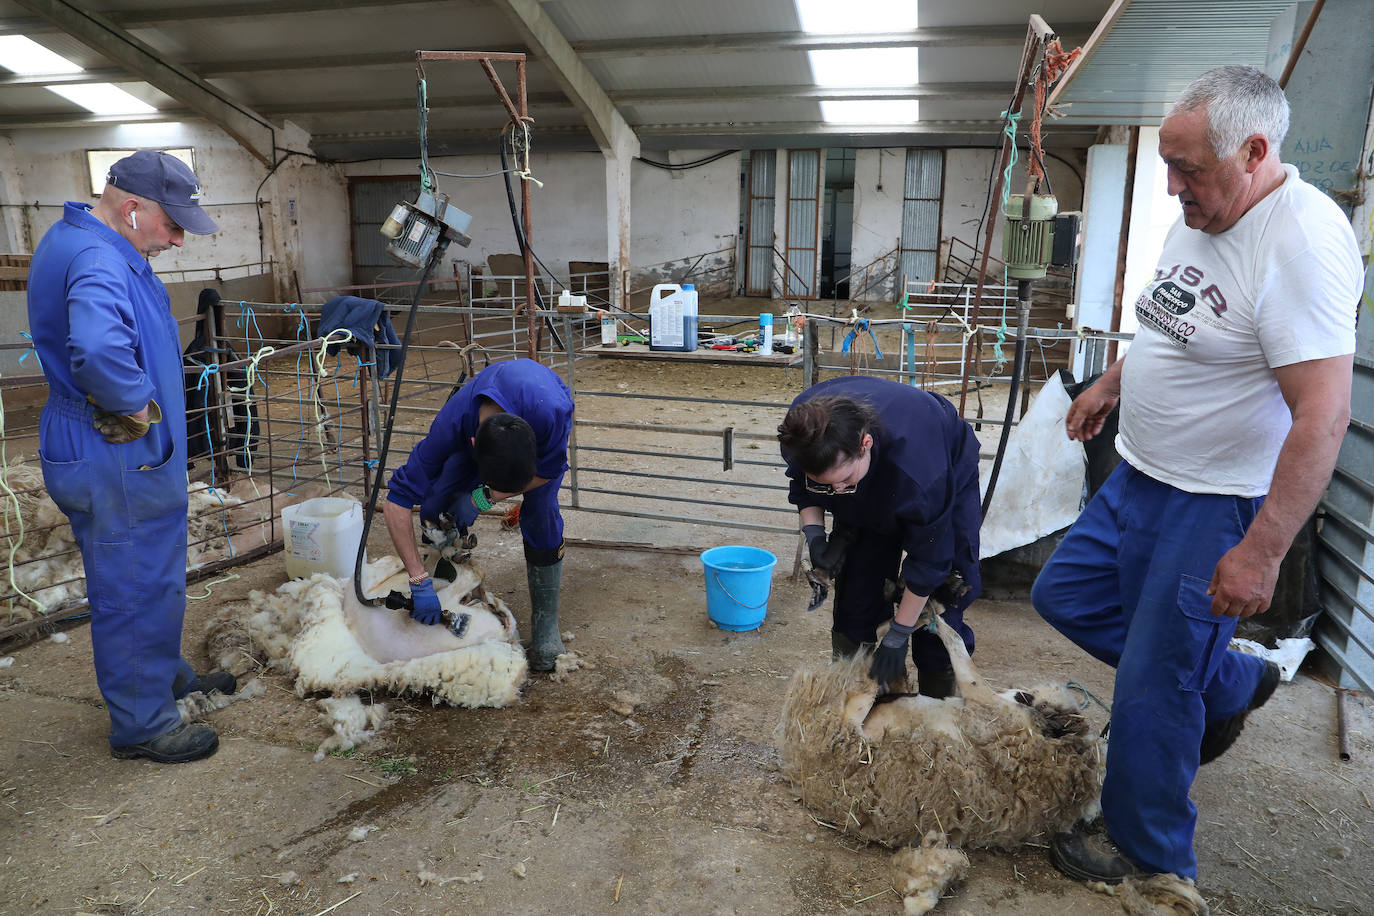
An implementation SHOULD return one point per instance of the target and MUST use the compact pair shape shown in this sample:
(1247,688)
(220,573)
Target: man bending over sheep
(1234,397)
(502,434)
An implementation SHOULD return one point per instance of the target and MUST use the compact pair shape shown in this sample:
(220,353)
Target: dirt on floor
(646,782)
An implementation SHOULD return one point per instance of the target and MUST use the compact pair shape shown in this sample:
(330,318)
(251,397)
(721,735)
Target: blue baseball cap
(164,178)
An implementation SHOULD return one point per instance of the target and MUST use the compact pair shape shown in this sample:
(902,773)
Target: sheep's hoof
(1088,854)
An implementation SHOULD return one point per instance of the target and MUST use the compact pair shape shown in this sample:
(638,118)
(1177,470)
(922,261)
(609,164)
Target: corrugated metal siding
(762,191)
(803,202)
(1154,50)
(1345,553)
(370,202)
(921,214)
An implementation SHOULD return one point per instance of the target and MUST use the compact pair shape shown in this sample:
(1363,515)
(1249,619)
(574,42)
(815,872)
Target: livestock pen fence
(280,414)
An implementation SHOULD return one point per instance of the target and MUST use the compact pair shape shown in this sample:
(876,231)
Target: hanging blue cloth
(370,324)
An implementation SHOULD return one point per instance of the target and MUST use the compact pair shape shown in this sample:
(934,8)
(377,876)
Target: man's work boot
(546,643)
(1087,853)
(222,681)
(842,647)
(935,684)
(1217,737)
(182,744)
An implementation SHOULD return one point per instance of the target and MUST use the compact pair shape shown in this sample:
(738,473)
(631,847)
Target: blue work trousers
(1129,584)
(861,606)
(127,507)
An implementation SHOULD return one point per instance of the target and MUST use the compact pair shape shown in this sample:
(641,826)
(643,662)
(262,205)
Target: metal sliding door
(760,191)
(803,222)
(924,186)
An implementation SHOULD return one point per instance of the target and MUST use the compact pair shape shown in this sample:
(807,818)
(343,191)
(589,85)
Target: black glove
(826,553)
(427,609)
(889,662)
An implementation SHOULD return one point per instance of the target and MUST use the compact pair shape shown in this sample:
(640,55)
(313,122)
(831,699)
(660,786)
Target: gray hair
(1240,102)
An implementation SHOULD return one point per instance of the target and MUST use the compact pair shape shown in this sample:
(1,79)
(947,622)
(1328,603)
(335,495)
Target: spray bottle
(766,334)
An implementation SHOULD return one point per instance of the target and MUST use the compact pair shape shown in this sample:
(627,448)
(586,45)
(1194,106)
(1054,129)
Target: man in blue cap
(103,328)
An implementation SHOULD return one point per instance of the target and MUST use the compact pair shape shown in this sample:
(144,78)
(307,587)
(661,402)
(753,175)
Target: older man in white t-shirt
(1234,398)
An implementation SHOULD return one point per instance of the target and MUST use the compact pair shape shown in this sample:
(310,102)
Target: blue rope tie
(207,370)
(864,325)
(1088,695)
(31,351)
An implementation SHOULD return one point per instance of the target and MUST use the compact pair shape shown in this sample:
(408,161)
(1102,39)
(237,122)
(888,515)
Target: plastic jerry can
(322,536)
(673,317)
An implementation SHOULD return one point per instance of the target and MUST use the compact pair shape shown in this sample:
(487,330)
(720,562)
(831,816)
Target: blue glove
(426,609)
(465,512)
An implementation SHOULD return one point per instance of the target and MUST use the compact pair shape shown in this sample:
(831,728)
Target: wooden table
(725,357)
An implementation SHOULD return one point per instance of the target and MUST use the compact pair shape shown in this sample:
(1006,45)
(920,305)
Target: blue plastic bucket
(737,583)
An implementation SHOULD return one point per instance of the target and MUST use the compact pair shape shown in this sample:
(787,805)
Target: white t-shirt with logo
(1200,406)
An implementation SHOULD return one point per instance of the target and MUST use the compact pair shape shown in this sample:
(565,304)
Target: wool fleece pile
(316,630)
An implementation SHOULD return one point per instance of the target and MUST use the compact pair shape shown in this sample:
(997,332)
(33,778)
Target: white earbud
(133,218)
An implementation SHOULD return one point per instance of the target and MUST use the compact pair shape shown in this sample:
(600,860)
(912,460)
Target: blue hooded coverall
(102,325)
(920,496)
(442,468)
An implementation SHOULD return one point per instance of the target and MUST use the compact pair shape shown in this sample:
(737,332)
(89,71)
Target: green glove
(117,430)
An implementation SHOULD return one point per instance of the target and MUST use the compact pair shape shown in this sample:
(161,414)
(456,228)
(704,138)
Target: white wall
(685,213)
(877,206)
(1153,211)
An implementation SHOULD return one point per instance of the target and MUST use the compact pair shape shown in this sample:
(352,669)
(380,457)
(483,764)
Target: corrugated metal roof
(1139,60)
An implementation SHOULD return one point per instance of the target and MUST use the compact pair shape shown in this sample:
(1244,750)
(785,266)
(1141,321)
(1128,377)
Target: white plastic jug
(673,317)
(322,536)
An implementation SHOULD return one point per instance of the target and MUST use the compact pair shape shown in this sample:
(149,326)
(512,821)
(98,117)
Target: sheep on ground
(317,630)
(984,769)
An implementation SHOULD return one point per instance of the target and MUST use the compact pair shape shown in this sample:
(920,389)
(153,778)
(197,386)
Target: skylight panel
(103,99)
(872,111)
(21,54)
(865,67)
(829,17)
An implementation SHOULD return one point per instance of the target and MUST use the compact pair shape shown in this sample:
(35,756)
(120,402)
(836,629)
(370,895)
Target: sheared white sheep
(982,768)
(318,631)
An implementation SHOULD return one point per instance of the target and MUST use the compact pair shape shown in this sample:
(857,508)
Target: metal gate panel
(803,223)
(761,194)
(1345,552)
(923,189)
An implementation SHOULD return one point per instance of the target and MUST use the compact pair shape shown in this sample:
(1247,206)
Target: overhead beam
(136,18)
(103,75)
(953,92)
(754,42)
(251,130)
(549,45)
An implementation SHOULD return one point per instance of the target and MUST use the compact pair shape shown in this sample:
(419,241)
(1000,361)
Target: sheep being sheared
(982,768)
(317,630)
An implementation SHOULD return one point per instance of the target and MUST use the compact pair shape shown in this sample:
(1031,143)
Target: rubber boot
(937,685)
(841,646)
(546,643)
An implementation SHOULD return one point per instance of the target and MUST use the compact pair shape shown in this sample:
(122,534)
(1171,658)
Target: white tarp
(1040,485)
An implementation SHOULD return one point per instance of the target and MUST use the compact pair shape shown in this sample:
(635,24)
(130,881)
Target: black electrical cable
(434,258)
(1023,288)
(684,166)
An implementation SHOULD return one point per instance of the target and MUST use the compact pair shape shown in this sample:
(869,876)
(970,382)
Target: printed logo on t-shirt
(1190,276)
(1160,309)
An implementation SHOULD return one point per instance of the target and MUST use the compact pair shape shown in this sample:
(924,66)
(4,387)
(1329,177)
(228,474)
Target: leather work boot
(182,744)
(222,681)
(935,684)
(1217,737)
(842,646)
(546,643)
(1087,853)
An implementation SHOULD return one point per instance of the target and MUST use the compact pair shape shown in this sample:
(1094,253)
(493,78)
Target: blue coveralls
(1129,584)
(103,327)
(920,496)
(442,468)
